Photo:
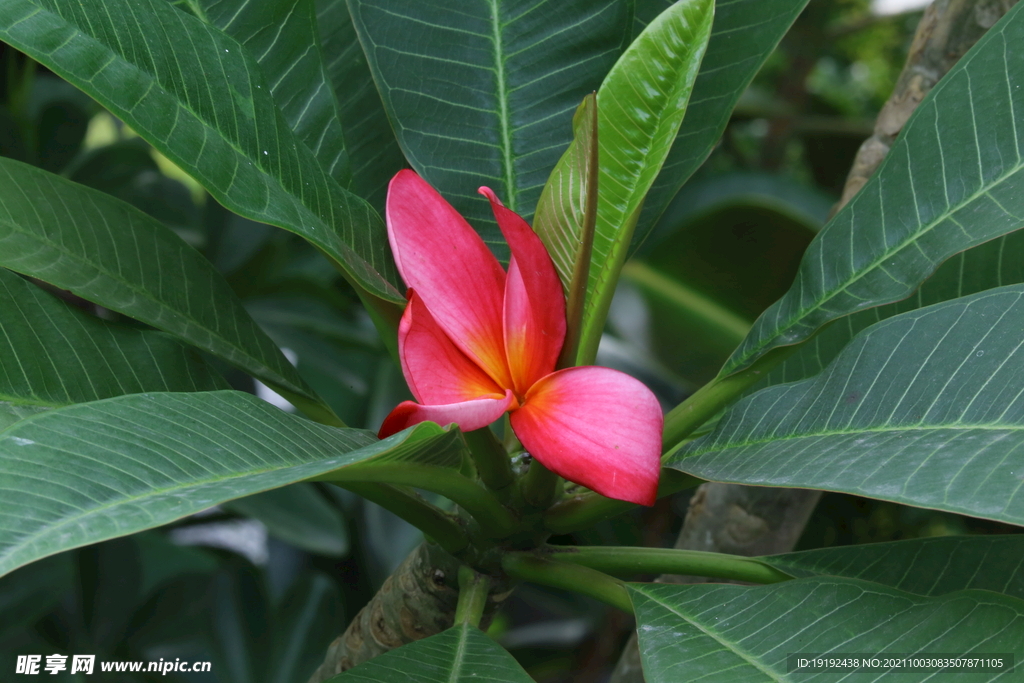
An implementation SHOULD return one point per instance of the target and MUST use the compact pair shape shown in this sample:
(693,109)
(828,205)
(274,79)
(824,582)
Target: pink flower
(477,342)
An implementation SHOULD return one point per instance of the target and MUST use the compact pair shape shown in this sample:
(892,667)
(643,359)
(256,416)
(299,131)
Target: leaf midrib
(882,429)
(511,200)
(717,637)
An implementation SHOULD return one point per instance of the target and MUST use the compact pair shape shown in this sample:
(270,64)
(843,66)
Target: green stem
(492,462)
(540,485)
(686,417)
(495,519)
(586,509)
(473,589)
(628,560)
(434,522)
(570,577)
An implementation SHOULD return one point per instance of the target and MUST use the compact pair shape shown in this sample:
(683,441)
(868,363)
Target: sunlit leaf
(200,98)
(641,104)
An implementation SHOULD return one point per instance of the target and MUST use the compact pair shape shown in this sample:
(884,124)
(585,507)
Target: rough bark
(948,29)
(416,601)
(753,521)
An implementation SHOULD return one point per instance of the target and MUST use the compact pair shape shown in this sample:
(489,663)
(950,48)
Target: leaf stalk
(620,561)
(566,576)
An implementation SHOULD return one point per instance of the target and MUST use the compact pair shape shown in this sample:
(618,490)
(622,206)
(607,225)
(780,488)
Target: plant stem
(492,462)
(630,560)
(435,523)
(540,485)
(686,417)
(586,509)
(570,577)
(495,519)
(473,590)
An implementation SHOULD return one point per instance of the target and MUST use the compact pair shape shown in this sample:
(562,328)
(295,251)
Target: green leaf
(200,98)
(744,33)
(82,474)
(52,354)
(11,413)
(462,654)
(924,408)
(482,93)
(566,216)
(953,180)
(641,104)
(282,36)
(112,254)
(717,632)
(373,150)
(298,515)
(925,566)
(991,264)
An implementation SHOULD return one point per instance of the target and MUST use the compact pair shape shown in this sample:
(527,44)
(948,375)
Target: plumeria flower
(476,342)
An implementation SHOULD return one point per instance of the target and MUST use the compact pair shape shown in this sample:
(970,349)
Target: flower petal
(468,415)
(436,370)
(597,427)
(441,257)
(534,309)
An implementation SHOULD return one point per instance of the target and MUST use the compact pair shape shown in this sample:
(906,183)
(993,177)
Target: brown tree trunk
(752,521)
(416,601)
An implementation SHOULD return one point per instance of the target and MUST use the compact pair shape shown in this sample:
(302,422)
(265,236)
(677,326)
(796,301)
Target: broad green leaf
(482,93)
(641,104)
(462,654)
(282,36)
(11,413)
(926,566)
(566,216)
(954,179)
(744,33)
(374,154)
(52,354)
(78,475)
(991,264)
(112,254)
(717,633)
(298,515)
(200,98)
(567,202)
(925,408)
